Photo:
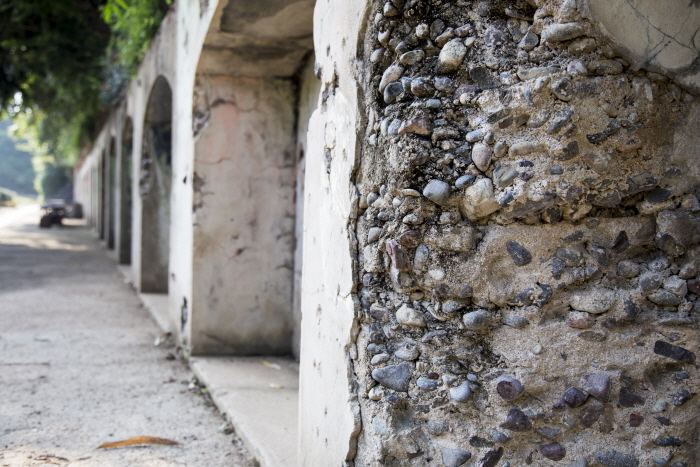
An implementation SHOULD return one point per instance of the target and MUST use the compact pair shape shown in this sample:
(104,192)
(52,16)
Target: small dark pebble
(509,388)
(597,385)
(574,237)
(556,170)
(521,256)
(665,421)
(554,451)
(516,420)
(492,457)
(557,267)
(574,397)
(681,397)
(616,459)
(499,436)
(629,399)
(668,441)
(480,442)
(590,414)
(548,432)
(621,243)
(673,351)
(636,419)
(682,375)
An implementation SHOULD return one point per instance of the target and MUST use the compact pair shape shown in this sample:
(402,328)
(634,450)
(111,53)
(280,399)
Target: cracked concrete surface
(78,367)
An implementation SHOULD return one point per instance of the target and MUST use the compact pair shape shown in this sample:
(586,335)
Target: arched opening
(125,201)
(102,195)
(154,187)
(111,186)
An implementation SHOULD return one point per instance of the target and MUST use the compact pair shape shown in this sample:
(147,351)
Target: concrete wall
(492,256)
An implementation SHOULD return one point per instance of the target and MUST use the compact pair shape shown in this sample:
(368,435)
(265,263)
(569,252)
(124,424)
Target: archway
(154,187)
(125,187)
(110,184)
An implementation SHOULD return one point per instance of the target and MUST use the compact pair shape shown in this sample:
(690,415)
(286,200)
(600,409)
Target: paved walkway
(78,367)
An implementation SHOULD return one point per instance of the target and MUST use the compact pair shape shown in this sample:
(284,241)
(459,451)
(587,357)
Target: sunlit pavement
(78,367)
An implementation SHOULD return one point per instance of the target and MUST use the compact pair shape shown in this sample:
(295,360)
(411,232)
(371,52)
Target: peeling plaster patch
(663,39)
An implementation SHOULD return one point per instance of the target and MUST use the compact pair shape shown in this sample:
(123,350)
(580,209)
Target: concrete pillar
(243,217)
(517,277)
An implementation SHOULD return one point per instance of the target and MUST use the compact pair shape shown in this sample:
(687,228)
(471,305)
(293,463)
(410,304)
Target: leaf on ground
(137,441)
(274,366)
(276,386)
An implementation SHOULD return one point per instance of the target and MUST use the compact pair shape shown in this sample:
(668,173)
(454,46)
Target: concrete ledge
(157,305)
(261,402)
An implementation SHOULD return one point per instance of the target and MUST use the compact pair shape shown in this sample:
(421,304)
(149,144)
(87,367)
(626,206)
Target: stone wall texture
(528,237)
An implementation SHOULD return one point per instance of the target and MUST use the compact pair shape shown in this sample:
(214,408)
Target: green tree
(64,63)
(16,170)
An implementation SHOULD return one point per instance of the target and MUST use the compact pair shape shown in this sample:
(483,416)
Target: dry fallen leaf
(138,440)
(276,386)
(271,365)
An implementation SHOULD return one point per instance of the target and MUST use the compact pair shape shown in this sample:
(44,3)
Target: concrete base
(259,395)
(260,400)
(157,306)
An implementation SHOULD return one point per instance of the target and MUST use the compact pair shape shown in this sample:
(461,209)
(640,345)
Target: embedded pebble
(559,32)
(477,320)
(553,451)
(594,301)
(391,75)
(529,41)
(408,352)
(504,176)
(394,377)
(416,125)
(412,57)
(516,420)
(410,317)
(455,457)
(437,428)
(464,181)
(499,436)
(392,91)
(481,156)
(574,397)
(605,67)
(673,351)
(548,432)
(616,459)
(515,321)
(451,56)
(668,441)
(461,393)
(597,385)
(437,191)
(628,269)
(479,200)
(380,358)
(492,457)
(509,388)
(520,255)
(427,384)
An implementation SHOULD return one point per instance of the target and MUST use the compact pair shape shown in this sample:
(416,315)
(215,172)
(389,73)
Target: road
(78,364)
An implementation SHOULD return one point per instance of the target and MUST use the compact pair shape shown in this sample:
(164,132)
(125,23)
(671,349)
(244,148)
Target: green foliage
(63,64)
(16,171)
(133,23)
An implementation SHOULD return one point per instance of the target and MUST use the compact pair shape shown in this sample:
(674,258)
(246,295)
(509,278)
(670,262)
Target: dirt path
(78,367)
